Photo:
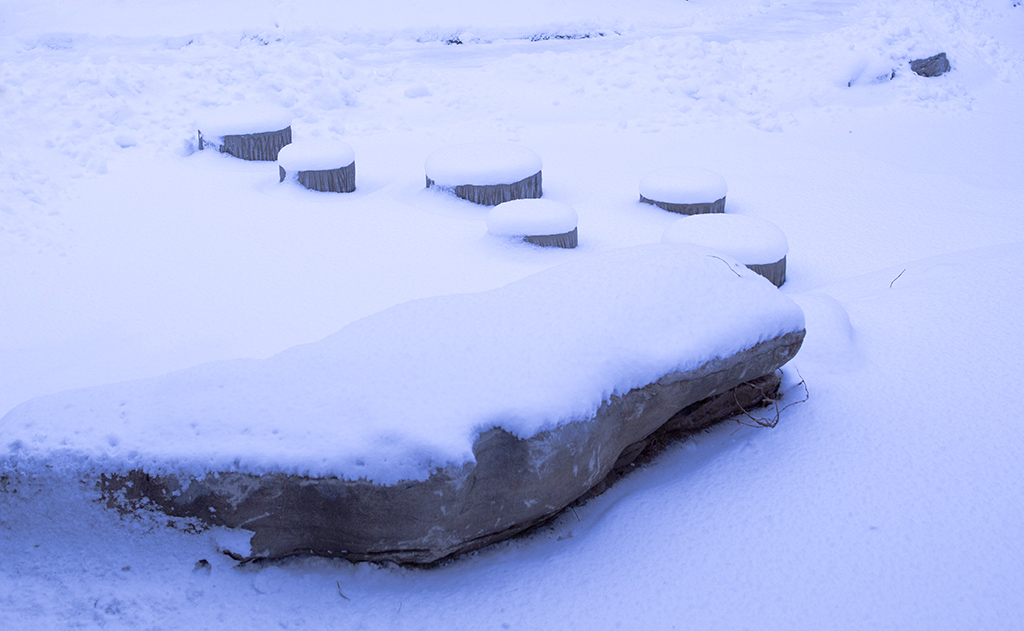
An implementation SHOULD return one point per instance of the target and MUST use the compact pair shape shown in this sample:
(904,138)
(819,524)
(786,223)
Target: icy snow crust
(683,186)
(750,240)
(244,118)
(399,393)
(315,155)
(481,164)
(531,217)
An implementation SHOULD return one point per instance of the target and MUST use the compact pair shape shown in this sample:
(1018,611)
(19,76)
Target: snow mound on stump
(758,244)
(539,221)
(486,173)
(248,131)
(321,165)
(689,191)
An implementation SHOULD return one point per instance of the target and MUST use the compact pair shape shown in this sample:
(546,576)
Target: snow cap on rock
(395,395)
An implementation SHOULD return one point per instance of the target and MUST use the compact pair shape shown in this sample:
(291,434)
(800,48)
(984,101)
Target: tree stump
(689,191)
(487,173)
(320,165)
(538,221)
(757,244)
(249,132)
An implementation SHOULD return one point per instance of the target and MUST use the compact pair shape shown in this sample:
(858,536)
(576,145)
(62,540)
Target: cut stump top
(245,118)
(316,155)
(749,240)
(683,186)
(481,164)
(531,217)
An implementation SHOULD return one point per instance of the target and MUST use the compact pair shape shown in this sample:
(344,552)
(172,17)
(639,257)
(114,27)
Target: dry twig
(896,279)
(770,399)
(726,263)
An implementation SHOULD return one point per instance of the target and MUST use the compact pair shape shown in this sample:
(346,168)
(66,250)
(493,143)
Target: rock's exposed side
(515,483)
(931,66)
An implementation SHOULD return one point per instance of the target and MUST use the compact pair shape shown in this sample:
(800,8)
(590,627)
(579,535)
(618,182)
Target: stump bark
(341,180)
(717,206)
(494,194)
(260,146)
(566,240)
(775,272)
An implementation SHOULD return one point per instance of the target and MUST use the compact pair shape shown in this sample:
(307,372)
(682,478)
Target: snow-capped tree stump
(690,191)
(320,165)
(538,221)
(248,132)
(758,244)
(487,173)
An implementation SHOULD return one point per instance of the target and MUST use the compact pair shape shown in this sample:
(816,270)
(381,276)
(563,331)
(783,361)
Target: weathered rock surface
(514,484)
(931,66)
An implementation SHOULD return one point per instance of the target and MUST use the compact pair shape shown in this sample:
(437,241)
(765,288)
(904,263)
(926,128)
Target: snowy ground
(891,498)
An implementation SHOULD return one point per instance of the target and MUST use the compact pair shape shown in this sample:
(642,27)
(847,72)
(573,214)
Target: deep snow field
(893,497)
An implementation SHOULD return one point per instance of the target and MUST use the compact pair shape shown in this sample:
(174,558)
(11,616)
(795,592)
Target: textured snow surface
(315,155)
(749,240)
(481,164)
(890,499)
(683,186)
(531,217)
(243,118)
(396,394)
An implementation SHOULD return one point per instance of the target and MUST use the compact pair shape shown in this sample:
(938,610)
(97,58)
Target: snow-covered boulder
(436,426)
(487,173)
(690,191)
(320,165)
(248,131)
(539,221)
(758,244)
(931,66)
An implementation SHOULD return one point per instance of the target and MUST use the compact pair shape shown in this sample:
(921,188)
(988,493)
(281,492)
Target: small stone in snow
(932,66)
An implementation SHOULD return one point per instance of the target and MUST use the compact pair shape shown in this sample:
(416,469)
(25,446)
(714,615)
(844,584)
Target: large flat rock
(514,484)
(435,426)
